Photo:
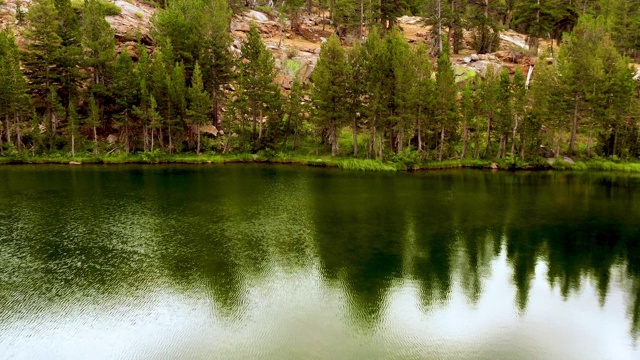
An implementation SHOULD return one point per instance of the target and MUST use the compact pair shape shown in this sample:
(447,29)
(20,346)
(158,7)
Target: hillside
(302,47)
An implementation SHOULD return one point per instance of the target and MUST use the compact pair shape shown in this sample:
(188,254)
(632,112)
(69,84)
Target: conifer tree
(215,58)
(356,89)
(178,96)
(446,112)
(198,110)
(257,75)
(73,126)
(124,90)
(329,96)
(70,53)
(41,58)
(98,42)
(14,100)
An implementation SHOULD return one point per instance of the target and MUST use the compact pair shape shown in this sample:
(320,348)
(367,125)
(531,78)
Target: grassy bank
(347,163)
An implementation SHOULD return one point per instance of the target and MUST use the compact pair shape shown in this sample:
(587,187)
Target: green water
(276,262)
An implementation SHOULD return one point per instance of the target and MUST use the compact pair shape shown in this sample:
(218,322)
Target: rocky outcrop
(133,21)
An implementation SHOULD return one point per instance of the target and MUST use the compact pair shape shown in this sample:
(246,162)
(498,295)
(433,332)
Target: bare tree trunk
(152,137)
(381,146)
(170,140)
(73,144)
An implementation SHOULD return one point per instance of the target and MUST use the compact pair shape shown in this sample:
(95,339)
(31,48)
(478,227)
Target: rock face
(135,18)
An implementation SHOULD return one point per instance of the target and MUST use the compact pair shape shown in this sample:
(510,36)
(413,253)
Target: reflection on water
(288,262)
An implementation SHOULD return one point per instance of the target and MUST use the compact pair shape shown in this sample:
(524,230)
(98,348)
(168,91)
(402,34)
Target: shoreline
(345,163)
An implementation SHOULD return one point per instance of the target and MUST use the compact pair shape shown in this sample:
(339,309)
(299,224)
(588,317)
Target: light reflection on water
(280,262)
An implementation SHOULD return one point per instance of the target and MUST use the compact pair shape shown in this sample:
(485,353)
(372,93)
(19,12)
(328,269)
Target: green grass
(307,157)
(365,165)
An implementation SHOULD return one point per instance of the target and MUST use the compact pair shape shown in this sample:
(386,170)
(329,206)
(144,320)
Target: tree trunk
(95,139)
(559,140)
(73,144)
(198,148)
(439,27)
(372,142)
(153,135)
(465,139)
(513,137)
(144,140)
(420,145)
(574,127)
(589,141)
(8,129)
(333,138)
(355,137)
(254,116)
(486,150)
(18,135)
(441,144)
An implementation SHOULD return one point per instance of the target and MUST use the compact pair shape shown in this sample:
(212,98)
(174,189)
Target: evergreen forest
(69,92)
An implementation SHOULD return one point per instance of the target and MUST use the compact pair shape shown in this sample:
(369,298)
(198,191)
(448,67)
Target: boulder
(483,66)
(209,129)
(112,139)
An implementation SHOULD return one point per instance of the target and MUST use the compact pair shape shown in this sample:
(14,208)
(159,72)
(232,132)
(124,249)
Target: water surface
(272,262)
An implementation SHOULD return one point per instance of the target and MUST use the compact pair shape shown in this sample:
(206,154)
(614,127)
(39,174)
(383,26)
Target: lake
(284,262)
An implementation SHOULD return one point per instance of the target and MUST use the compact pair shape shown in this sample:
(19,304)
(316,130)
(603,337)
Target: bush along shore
(395,163)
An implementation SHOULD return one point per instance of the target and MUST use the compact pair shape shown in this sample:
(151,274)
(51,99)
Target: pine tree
(257,77)
(94,122)
(215,58)
(198,104)
(329,95)
(98,42)
(14,100)
(178,96)
(424,92)
(73,126)
(70,53)
(503,111)
(356,89)
(446,112)
(124,90)
(41,58)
